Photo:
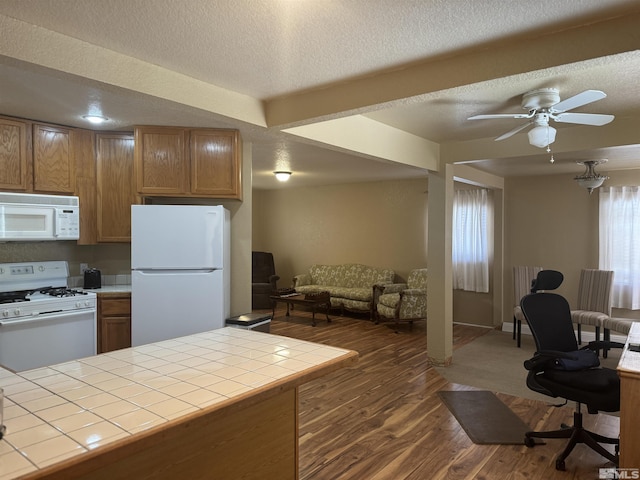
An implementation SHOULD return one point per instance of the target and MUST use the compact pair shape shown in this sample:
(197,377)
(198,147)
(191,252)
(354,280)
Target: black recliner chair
(263,279)
(560,369)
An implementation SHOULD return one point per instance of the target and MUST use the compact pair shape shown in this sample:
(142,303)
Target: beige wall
(553,223)
(549,221)
(382,224)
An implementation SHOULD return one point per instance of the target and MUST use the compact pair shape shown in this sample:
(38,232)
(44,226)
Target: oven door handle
(46,316)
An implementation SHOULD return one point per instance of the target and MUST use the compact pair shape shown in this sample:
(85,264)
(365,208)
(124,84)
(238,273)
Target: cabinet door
(116,333)
(53,159)
(215,163)
(15,156)
(114,322)
(161,161)
(85,161)
(115,186)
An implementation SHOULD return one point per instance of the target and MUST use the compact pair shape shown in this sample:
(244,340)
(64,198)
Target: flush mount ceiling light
(590,179)
(97,119)
(282,176)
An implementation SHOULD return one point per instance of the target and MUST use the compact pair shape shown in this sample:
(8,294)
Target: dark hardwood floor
(382,418)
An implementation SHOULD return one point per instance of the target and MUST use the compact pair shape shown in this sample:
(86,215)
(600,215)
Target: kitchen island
(220,404)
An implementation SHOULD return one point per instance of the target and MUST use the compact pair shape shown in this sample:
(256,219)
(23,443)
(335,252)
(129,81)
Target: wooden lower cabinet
(114,322)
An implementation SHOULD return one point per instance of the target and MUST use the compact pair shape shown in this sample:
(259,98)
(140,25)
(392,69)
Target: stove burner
(12,297)
(62,292)
(15,296)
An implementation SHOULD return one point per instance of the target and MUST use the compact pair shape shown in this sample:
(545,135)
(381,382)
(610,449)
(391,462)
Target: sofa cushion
(389,300)
(350,275)
(360,294)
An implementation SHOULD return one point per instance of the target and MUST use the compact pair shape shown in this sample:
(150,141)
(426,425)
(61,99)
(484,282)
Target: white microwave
(32,217)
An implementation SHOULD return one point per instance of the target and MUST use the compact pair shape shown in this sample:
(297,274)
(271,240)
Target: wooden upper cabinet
(115,186)
(15,155)
(85,162)
(161,163)
(215,163)
(53,159)
(181,162)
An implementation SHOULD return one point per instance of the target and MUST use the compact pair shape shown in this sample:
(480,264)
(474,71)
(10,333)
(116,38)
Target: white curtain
(620,243)
(471,213)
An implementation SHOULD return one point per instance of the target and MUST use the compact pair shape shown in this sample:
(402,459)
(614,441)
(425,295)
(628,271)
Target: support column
(440,284)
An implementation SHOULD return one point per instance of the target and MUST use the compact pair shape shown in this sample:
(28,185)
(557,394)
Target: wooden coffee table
(315,301)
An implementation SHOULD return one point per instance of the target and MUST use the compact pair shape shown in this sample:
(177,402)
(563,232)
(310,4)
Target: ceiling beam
(507,57)
(369,137)
(45,48)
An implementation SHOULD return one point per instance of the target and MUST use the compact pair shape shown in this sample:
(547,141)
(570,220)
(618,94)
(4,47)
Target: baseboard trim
(587,335)
(488,327)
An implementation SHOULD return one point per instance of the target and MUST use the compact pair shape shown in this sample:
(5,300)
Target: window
(620,243)
(471,218)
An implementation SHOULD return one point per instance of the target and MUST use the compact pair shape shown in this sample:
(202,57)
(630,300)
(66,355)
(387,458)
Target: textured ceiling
(275,51)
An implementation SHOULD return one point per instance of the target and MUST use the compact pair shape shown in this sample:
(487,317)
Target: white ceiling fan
(543,105)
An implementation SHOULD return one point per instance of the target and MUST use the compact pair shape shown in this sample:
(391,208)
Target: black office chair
(551,372)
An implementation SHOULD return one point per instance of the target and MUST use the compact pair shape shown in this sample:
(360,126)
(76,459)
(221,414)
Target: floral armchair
(403,301)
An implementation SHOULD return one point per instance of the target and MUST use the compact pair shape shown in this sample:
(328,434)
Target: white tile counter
(75,410)
(106,289)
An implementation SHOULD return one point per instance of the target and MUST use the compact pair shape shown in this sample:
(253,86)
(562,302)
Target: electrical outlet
(83,267)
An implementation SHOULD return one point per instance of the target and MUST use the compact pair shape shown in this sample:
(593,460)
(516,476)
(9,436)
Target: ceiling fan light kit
(543,105)
(590,179)
(542,136)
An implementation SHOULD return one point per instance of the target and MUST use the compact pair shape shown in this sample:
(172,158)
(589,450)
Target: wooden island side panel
(254,441)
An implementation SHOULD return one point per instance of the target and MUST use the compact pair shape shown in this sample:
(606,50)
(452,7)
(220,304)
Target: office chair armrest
(598,345)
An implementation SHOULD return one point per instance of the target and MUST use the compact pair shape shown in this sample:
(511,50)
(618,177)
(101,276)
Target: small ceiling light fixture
(97,119)
(590,179)
(542,135)
(282,176)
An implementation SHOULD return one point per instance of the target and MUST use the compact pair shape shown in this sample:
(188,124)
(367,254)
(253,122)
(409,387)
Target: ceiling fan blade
(578,100)
(512,132)
(596,119)
(499,115)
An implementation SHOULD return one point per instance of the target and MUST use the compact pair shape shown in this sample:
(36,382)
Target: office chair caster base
(529,442)
(560,465)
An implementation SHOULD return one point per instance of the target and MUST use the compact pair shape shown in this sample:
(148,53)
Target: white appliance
(27,217)
(42,321)
(180,263)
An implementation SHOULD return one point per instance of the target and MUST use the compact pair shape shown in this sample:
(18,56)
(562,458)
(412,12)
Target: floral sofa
(350,285)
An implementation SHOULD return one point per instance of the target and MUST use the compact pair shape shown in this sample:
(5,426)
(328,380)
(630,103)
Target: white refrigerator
(180,262)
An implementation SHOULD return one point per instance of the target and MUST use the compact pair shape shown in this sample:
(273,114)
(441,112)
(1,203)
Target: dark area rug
(484,417)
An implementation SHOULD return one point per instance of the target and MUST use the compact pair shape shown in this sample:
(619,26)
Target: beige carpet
(493,362)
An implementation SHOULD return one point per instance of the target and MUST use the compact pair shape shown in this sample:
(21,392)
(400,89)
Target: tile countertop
(630,361)
(110,284)
(109,289)
(67,410)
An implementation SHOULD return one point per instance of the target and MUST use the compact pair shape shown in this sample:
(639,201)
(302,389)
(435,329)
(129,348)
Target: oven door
(48,339)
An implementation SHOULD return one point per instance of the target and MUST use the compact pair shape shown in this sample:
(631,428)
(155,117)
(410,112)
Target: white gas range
(42,321)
